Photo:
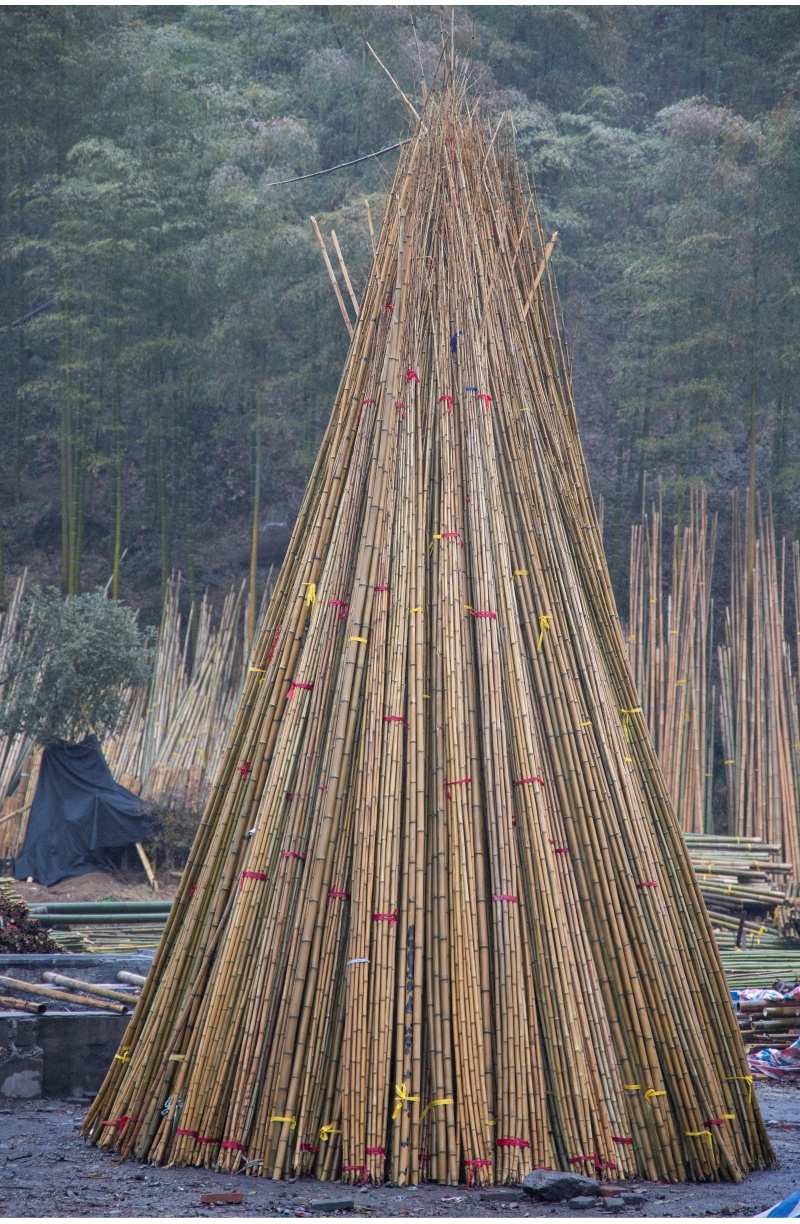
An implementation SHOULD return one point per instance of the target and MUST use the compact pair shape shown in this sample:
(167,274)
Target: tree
(72,665)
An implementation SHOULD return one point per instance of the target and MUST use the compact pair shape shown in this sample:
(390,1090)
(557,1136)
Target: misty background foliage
(189,331)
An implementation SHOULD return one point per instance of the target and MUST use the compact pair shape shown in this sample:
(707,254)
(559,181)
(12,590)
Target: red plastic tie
(201,1139)
(595,1159)
(234,1146)
(369,401)
(190,1134)
(446,399)
(345,896)
(424,1156)
(513,821)
(297,684)
(390,918)
(523,1143)
(411,375)
(376,1151)
(395,718)
(648,884)
(487,399)
(484,615)
(471,1166)
(451,535)
(357,1169)
(244,769)
(292,794)
(253,875)
(389,306)
(293,854)
(274,644)
(455,782)
(504,897)
(525,781)
(323,788)
(558,849)
(339,603)
(708,1122)
(307,1147)
(193,890)
(622,1139)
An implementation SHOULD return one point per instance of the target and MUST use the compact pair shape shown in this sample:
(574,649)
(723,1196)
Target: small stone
(583,1202)
(332,1204)
(634,1198)
(556,1187)
(616,1203)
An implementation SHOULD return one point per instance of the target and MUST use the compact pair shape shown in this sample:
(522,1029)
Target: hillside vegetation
(180,345)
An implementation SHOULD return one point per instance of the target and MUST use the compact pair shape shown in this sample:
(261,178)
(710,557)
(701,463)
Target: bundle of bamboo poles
(173,735)
(758,694)
(439,921)
(669,647)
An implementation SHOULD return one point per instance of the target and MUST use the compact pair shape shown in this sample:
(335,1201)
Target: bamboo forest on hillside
(170,344)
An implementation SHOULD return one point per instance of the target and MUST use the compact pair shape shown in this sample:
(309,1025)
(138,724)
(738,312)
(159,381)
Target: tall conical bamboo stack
(669,647)
(439,921)
(758,702)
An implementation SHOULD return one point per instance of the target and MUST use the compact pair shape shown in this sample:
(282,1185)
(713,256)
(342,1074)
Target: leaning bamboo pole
(438,920)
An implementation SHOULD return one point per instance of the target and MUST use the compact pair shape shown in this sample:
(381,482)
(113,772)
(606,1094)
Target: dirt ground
(47,1170)
(102,886)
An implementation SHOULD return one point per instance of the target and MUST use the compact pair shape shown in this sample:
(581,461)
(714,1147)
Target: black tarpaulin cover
(78,810)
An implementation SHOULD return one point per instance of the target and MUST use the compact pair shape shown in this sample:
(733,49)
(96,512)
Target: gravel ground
(47,1170)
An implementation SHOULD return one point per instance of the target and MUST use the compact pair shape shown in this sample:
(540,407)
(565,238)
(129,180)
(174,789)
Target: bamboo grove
(438,921)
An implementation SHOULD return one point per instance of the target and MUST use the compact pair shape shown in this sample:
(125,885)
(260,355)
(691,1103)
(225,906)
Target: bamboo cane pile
(758,693)
(18,762)
(173,735)
(669,647)
(439,921)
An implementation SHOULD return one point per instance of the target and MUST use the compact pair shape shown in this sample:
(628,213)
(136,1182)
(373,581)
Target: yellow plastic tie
(358,639)
(677,682)
(433,1104)
(401,1096)
(631,637)
(125,1056)
(544,623)
(632,1087)
(427,696)
(326,1131)
(730,762)
(699,1134)
(651,1092)
(626,718)
(748,1079)
(257,669)
(176,1058)
(520,573)
(731,1117)
(588,723)
(436,537)
(282,1119)
(415,610)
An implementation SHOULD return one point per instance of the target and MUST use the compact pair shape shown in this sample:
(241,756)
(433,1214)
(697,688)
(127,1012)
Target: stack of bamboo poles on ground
(758,693)
(669,647)
(173,735)
(743,883)
(439,921)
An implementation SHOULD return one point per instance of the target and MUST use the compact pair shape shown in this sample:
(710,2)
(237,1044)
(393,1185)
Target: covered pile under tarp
(78,811)
(439,921)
